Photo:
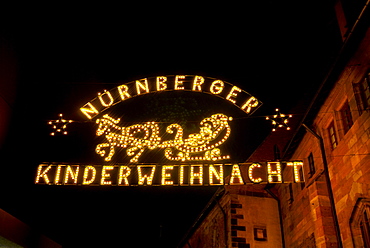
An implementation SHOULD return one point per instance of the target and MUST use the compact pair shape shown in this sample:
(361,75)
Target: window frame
(360,232)
(362,93)
(333,136)
(346,117)
(311,165)
(256,232)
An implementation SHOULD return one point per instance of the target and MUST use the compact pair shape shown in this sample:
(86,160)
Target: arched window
(359,223)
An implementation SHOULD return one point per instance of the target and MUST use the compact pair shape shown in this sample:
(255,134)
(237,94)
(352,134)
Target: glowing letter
(122,90)
(105,175)
(249,104)
(236,175)
(198,176)
(218,174)
(182,174)
(90,110)
(233,93)
(198,81)
(142,86)
(161,83)
(149,178)
(87,170)
(74,175)
(217,87)
(179,82)
(102,101)
(43,174)
(57,174)
(124,172)
(274,173)
(166,176)
(250,173)
(297,176)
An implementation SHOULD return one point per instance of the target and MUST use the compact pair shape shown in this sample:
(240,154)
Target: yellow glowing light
(110,98)
(218,174)
(181,174)
(161,83)
(193,83)
(274,174)
(70,173)
(123,92)
(105,176)
(249,104)
(43,173)
(217,87)
(59,125)
(279,120)
(296,165)
(233,94)
(196,175)
(90,109)
(250,173)
(142,85)
(147,176)
(193,175)
(179,82)
(197,83)
(57,174)
(166,176)
(124,172)
(214,131)
(89,175)
(236,176)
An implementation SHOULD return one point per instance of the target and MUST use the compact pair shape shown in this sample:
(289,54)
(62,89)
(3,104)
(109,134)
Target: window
(362,93)
(260,233)
(346,115)
(311,164)
(359,223)
(332,135)
(365,228)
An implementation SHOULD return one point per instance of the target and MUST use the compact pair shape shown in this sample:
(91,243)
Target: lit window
(346,115)
(332,135)
(362,93)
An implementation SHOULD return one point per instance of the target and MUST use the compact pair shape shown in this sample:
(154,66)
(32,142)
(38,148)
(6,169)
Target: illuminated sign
(215,87)
(193,159)
(202,146)
(170,175)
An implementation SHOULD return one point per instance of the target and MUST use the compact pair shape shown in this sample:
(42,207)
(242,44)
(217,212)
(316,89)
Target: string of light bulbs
(278,120)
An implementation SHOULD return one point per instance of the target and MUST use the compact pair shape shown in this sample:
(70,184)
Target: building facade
(342,125)
(332,207)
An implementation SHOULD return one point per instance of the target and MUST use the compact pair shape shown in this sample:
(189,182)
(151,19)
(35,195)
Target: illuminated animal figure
(135,138)
(214,131)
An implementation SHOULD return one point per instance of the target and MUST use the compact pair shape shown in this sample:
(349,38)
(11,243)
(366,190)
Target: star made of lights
(59,125)
(279,120)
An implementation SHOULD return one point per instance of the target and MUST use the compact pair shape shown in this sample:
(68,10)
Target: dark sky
(276,50)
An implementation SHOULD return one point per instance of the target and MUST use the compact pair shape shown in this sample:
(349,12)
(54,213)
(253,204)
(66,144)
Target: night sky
(65,55)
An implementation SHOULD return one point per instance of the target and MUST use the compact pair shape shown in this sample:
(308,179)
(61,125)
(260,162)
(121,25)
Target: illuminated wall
(343,121)
(247,220)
